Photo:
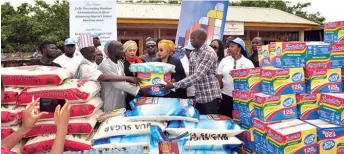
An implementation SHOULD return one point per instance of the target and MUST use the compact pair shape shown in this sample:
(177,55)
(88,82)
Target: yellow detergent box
(292,137)
(323,81)
(330,137)
(259,134)
(307,106)
(246,108)
(318,55)
(282,81)
(334,32)
(274,107)
(337,55)
(289,55)
(331,108)
(264,55)
(153,81)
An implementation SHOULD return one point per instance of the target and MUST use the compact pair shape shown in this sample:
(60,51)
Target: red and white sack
(10,95)
(33,76)
(9,115)
(74,90)
(42,144)
(80,110)
(75,126)
(7,131)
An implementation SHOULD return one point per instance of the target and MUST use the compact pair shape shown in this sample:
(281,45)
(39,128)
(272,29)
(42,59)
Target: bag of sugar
(119,142)
(119,125)
(162,109)
(33,76)
(160,143)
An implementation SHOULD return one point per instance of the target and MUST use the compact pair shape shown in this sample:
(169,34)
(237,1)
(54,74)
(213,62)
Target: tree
(284,6)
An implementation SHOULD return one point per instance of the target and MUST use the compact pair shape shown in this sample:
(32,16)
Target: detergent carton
(264,55)
(343,78)
(246,108)
(318,55)
(323,81)
(330,137)
(235,112)
(337,55)
(332,108)
(281,81)
(293,136)
(248,139)
(250,79)
(274,107)
(153,81)
(260,133)
(334,32)
(236,79)
(289,55)
(307,106)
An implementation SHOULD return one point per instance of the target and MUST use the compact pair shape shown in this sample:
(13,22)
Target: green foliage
(25,26)
(284,6)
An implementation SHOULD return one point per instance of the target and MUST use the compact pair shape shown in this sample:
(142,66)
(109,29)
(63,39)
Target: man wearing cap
(68,60)
(237,60)
(150,50)
(190,92)
(88,68)
(203,64)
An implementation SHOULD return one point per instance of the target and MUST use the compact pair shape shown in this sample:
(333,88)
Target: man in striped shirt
(203,64)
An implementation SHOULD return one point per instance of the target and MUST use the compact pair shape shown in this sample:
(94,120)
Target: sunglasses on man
(150,46)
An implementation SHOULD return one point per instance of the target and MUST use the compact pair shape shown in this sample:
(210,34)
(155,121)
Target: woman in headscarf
(130,49)
(165,50)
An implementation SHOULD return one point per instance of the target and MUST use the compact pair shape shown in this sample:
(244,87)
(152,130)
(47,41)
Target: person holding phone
(237,60)
(30,118)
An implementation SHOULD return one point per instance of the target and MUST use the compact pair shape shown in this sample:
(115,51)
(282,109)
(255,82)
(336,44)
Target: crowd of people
(203,73)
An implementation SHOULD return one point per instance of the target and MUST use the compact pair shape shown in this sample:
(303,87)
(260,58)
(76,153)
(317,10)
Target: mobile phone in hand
(49,104)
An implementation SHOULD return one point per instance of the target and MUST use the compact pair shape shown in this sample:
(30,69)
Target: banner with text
(209,15)
(93,17)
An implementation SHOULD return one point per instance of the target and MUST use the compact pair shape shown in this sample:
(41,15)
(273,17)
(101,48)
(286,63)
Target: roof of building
(235,13)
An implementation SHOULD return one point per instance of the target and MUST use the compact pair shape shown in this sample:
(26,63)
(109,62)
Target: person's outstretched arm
(61,118)
(30,117)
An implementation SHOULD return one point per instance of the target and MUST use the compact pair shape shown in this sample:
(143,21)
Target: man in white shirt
(190,91)
(68,60)
(88,68)
(113,93)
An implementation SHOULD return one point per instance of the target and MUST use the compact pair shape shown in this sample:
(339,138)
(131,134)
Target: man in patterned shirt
(203,64)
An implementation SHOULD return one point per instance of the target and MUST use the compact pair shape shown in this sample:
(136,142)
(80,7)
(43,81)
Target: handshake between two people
(167,85)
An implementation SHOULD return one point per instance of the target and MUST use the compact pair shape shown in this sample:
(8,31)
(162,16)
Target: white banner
(93,17)
(234,28)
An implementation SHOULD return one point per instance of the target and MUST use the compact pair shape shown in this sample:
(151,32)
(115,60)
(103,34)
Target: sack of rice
(75,126)
(119,142)
(80,110)
(162,109)
(9,115)
(160,143)
(7,131)
(74,90)
(41,144)
(10,95)
(118,126)
(33,76)
(211,125)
